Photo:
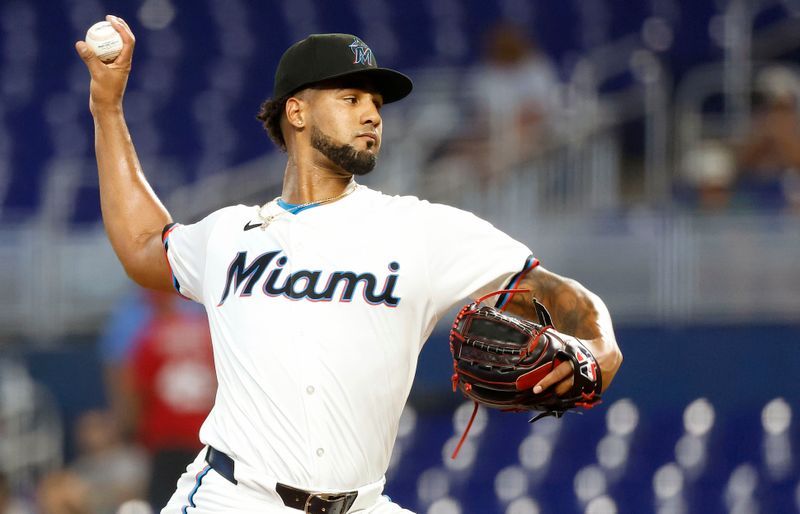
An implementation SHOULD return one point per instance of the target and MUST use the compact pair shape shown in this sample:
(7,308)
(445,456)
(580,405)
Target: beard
(345,156)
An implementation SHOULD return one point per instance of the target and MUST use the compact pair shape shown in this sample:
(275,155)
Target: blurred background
(648,149)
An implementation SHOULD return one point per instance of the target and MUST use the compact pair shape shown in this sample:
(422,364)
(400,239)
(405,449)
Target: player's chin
(369,145)
(363,163)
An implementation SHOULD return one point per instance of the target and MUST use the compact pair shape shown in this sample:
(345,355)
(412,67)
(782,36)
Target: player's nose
(371,114)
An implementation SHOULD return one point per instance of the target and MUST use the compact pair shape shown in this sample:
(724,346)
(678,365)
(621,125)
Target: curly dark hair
(270,116)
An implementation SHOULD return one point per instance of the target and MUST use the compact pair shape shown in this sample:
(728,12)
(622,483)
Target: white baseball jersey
(317,323)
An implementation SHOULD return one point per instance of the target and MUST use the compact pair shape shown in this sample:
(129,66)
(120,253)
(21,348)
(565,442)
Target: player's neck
(305,182)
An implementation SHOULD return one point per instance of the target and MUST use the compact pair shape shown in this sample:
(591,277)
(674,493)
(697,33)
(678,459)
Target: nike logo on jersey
(305,284)
(250,226)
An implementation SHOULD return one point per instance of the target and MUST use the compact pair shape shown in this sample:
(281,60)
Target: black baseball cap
(328,56)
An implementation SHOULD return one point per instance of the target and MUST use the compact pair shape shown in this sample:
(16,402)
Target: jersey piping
(197,484)
(530,263)
(296,208)
(165,241)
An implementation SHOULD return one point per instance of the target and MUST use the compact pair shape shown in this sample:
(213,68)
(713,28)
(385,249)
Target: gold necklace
(266,220)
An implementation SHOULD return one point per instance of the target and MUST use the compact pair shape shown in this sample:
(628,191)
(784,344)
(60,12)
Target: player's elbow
(612,363)
(148,273)
(617,358)
(149,281)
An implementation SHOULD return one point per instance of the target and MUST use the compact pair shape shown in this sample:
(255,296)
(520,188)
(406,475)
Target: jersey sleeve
(468,257)
(186,247)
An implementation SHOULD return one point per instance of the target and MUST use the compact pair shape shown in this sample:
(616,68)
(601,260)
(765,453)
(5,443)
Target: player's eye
(351,100)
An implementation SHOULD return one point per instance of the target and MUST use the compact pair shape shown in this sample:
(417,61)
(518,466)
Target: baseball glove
(498,359)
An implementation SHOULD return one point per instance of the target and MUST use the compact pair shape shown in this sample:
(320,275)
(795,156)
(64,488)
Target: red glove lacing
(455,375)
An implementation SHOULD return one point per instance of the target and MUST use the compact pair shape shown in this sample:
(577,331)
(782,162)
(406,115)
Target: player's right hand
(109,80)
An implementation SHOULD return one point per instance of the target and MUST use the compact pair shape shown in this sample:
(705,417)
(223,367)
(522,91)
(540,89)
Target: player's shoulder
(422,214)
(408,204)
(231,212)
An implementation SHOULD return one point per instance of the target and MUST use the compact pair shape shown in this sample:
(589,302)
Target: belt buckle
(329,498)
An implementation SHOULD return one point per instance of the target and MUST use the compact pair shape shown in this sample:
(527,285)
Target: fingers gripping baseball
(128,39)
(109,80)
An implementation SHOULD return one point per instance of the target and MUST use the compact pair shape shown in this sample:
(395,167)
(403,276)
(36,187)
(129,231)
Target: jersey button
(320,452)
(310,389)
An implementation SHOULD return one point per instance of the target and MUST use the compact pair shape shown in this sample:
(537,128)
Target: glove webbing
(539,310)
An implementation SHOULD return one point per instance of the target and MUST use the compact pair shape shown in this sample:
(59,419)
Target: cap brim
(391,84)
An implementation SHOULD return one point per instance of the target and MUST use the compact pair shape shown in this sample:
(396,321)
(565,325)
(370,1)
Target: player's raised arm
(575,311)
(132,214)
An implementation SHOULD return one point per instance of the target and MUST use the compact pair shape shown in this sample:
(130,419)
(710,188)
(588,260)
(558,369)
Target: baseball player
(320,300)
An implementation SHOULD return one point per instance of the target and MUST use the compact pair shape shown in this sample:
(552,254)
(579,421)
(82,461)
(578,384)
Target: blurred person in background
(9,504)
(114,471)
(132,312)
(517,93)
(167,389)
(515,97)
(709,173)
(769,156)
(63,492)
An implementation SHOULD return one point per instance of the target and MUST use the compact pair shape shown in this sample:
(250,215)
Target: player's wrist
(608,355)
(101,108)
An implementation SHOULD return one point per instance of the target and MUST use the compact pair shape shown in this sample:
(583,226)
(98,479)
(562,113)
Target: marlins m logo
(362,53)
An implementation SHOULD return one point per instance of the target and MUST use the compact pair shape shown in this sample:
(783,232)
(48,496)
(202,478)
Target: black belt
(306,501)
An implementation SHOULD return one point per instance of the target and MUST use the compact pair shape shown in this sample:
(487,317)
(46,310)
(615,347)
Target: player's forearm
(581,313)
(132,214)
(575,311)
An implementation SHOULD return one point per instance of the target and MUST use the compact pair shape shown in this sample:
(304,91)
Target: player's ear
(295,111)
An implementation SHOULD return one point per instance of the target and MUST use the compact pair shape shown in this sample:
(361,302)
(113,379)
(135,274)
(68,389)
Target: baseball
(104,41)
